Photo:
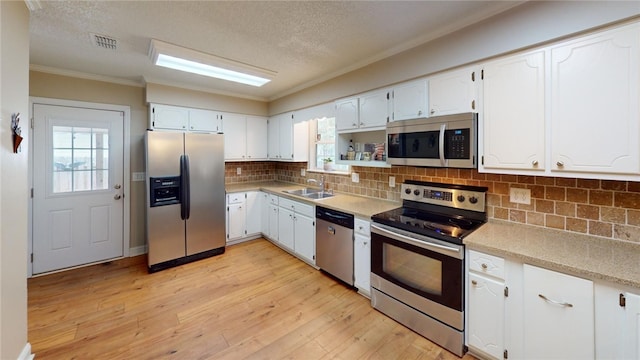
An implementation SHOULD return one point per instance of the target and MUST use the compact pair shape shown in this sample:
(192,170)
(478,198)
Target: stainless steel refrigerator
(185,197)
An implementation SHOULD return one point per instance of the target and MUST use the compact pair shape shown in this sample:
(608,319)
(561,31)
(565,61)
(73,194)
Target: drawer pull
(484,266)
(565,304)
(473,282)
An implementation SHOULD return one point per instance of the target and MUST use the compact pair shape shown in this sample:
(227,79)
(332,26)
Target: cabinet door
(235,144)
(362,263)
(204,120)
(410,100)
(594,103)
(285,228)
(453,92)
(286,137)
(374,109)
(617,323)
(558,319)
(300,146)
(257,139)
(305,237)
(169,117)
(273,222)
(235,221)
(514,129)
(486,315)
(253,223)
(347,114)
(274,138)
(264,216)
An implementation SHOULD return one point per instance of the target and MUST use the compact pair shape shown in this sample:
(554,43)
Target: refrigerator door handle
(185,193)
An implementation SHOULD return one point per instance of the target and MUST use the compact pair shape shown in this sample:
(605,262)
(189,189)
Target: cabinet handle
(354,124)
(365,242)
(473,282)
(419,112)
(473,104)
(534,163)
(565,304)
(560,164)
(484,266)
(361,123)
(433,111)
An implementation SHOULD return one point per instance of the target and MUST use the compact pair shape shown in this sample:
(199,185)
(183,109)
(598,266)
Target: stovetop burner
(437,210)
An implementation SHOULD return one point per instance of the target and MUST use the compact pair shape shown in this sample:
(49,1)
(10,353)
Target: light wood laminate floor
(253,302)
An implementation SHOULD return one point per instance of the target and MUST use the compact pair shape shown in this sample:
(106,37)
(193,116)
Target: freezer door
(206,222)
(165,228)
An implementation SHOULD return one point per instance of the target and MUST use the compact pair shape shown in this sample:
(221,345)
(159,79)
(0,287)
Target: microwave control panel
(457,143)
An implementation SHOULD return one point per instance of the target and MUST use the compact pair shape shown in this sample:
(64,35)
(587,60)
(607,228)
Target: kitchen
(373,181)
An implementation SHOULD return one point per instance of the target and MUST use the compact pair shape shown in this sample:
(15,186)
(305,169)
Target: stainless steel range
(417,259)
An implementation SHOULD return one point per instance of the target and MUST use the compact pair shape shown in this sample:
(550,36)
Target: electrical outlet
(239,171)
(303,172)
(138,176)
(392,181)
(520,196)
(355,177)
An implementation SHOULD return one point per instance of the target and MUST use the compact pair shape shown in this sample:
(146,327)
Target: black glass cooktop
(447,227)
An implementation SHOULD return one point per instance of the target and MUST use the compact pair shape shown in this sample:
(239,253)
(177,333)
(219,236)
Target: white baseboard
(138,250)
(26,353)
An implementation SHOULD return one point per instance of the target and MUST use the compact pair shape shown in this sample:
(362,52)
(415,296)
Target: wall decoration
(15,132)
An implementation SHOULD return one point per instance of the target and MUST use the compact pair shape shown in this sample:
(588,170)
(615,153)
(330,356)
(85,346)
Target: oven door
(424,273)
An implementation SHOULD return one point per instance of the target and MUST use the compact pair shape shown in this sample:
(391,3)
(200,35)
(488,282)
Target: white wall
(14,98)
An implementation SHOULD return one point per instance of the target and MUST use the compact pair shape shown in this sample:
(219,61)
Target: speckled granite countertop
(360,206)
(587,256)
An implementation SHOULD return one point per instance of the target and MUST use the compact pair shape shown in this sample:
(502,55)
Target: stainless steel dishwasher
(334,243)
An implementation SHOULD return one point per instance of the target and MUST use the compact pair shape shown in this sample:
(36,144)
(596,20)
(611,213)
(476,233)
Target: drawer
(235,198)
(298,207)
(362,227)
(273,199)
(486,264)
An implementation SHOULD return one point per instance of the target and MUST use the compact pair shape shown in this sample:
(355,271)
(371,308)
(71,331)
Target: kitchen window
(324,146)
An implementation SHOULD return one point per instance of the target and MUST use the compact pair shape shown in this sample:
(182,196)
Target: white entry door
(78,186)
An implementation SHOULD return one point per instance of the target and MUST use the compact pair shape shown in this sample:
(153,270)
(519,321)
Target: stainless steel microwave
(441,141)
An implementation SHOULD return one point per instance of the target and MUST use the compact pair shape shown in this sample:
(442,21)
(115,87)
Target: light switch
(392,181)
(355,177)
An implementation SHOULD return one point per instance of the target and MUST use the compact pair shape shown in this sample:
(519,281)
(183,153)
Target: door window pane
(80,159)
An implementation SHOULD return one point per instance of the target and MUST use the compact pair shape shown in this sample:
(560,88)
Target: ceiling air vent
(103,41)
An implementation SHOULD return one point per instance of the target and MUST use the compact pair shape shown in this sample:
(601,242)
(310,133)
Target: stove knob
(416,192)
(473,199)
(407,191)
(460,198)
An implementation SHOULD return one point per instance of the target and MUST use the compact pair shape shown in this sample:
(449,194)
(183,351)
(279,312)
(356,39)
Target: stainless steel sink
(303,192)
(310,193)
(318,195)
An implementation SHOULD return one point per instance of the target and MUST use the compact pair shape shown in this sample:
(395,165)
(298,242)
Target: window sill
(330,172)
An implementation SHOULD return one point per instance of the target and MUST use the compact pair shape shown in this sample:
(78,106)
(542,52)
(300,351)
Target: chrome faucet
(321,183)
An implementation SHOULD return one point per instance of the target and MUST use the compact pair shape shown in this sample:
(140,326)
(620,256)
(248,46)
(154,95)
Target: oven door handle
(443,161)
(418,243)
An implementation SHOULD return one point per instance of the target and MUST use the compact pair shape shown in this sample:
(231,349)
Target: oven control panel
(456,196)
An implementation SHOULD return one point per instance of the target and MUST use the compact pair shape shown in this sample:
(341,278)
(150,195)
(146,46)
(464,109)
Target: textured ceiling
(305,42)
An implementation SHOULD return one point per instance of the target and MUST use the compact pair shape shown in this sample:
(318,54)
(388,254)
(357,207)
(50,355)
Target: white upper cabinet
(594,103)
(182,118)
(410,100)
(288,140)
(513,131)
(367,112)
(245,137)
(453,92)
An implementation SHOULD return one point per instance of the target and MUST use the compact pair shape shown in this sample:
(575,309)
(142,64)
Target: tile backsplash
(596,207)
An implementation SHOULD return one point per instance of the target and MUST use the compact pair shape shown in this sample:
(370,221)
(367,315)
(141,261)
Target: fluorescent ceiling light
(183,59)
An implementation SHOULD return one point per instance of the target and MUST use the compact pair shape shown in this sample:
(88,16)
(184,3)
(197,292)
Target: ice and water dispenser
(164,190)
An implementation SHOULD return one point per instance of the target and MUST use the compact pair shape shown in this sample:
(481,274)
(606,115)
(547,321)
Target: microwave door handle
(443,161)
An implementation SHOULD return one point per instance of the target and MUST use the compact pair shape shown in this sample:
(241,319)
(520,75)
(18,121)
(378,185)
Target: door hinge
(622,300)
(227,209)
(245,195)
(505,354)
(31,257)
(482,159)
(387,96)
(482,74)
(473,76)
(32,193)
(32,123)
(506,291)
(473,104)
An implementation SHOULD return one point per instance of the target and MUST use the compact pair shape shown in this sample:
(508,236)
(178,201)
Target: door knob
(117,196)
(117,186)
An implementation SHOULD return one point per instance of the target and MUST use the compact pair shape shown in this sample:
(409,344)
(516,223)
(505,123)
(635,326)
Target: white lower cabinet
(558,319)
(486,305)
(242,209)
(617,320)
(297,228)
(362,256)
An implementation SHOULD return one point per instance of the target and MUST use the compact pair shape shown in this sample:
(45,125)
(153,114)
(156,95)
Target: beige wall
(68,88)
(169,95)
(520,27)
(14,98)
